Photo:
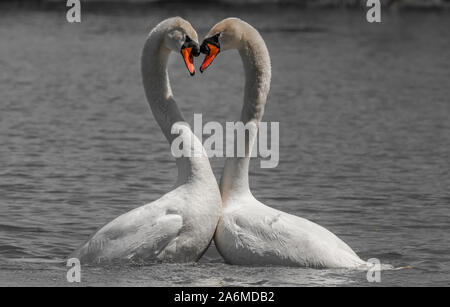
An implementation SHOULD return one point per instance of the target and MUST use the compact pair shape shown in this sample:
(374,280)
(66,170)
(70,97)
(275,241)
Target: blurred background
(419,4)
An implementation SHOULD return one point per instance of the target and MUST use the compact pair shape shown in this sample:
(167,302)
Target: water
(364,149)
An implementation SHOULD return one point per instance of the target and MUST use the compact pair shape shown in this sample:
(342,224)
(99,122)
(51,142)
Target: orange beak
(209,58)
(188,58)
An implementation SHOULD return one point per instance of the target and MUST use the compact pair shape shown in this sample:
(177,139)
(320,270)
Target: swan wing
(276,236)
(143,233)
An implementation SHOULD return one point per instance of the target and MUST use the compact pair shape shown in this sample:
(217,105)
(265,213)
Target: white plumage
(180,225)
(249,232)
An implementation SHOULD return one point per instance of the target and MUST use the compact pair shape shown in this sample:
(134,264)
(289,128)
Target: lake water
(364,139)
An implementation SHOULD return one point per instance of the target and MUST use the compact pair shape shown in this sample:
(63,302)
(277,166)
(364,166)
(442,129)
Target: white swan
(180,225)
(249,232)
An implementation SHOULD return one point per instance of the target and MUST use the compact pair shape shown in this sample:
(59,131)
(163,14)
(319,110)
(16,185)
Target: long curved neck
(257,67)
(164,108)
(157,85)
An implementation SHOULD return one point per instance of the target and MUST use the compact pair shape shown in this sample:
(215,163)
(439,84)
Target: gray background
(364,136)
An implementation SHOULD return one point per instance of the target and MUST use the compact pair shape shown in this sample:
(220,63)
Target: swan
(249,232)
(179,226)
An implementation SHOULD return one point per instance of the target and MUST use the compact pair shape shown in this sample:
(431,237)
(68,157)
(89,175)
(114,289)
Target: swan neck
(157,84)
(257,68)
(164,108)
(256,61)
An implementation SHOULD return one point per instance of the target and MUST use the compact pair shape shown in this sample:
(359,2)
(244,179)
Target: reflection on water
(364,146)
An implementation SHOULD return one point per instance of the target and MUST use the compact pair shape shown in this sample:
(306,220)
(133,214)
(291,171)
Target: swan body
(164,230)
(249,232)
(179,226)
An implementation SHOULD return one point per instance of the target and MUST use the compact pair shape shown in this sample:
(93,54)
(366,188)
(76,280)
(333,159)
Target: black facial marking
(188,42)
(213,40)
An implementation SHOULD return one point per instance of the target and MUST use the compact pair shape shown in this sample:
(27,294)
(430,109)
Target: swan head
(181,37)
(225,35)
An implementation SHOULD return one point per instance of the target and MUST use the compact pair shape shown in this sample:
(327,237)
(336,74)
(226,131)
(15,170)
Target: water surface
(364,139)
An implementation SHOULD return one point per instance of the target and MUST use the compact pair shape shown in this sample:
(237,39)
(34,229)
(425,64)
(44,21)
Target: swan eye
(188,39)
(215,38)
(212,40)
